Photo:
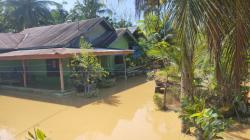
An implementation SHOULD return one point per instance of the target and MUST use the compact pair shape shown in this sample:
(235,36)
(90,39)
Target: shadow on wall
(107,95)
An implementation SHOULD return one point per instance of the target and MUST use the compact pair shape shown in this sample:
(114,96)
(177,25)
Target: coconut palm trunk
(186,81)
(241,39)
(186,76)
(214,37)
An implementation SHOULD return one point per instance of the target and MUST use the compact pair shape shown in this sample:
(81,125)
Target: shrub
(169,73)
(158,100)
(150,75)
(240,104)
(85,70)
(208,122)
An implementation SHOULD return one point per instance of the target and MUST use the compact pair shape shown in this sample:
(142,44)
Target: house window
(119,59)
(52,67)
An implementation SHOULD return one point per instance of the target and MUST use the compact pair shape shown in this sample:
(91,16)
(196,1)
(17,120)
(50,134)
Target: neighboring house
(124,41)
(137,32)
(38,57)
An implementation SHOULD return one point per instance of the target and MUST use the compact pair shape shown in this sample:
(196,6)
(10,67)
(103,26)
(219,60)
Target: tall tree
(119,23)
(28,13)
(239,42)
(229,41)
(227,31)
(186,18)
(227,24)
(87,9)
(1,17)
(59,15)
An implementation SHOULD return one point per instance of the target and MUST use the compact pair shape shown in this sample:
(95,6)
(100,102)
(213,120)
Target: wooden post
(125,68)
(61,75)
(24,74)
(165,96)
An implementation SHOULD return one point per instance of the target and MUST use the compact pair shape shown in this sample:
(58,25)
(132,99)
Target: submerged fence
(39,76)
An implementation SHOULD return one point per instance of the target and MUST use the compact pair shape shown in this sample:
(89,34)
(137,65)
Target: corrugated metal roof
(47,36)
(10,40)
(132,29)
(122,31)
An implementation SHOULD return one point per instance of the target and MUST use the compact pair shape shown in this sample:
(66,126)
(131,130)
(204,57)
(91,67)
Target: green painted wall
(10,72)
(36,74)
(7,66)
(119,43)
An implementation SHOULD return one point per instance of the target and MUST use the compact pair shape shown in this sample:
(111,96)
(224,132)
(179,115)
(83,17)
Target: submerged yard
(125,111)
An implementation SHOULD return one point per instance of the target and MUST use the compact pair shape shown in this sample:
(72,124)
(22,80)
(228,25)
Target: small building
(39,57)
(125,40)
(137,32)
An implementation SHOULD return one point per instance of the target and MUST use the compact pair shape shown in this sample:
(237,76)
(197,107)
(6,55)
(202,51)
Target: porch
(46,68)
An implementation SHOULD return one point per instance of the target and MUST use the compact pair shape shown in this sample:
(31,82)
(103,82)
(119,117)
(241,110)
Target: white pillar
(61,75)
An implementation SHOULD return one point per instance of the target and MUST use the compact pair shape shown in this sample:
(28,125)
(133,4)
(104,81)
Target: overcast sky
(123,10)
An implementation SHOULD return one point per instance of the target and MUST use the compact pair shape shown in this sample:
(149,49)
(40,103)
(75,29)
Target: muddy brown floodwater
(124,112)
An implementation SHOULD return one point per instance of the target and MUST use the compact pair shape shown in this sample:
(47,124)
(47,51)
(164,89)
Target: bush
(208,122)
(240,104)
(158,100)
(169,74)
(150,75)
(85,70)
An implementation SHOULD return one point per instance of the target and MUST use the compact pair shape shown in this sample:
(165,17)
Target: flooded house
(38,57)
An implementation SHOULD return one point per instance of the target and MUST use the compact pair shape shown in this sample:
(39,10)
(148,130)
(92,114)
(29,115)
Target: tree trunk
(214,35)
(186,76)
(186,81)
(239,57)
(214,42)
(164,99)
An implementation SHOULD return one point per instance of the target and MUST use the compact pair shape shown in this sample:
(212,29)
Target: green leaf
(31,135)
(196,115)
(40,135)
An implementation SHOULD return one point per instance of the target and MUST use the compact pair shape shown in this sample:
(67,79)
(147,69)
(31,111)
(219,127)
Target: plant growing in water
(158,101)
(37,135)
(208,122)
(86,70)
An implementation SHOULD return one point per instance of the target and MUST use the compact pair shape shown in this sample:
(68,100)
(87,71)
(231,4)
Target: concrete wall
(119,43)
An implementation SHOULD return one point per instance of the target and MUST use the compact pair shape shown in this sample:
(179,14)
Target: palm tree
(59,15)
(185,16)
(227,24)
(29,13)
(2,26)
(238,37)
(87,9)
(229,41)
